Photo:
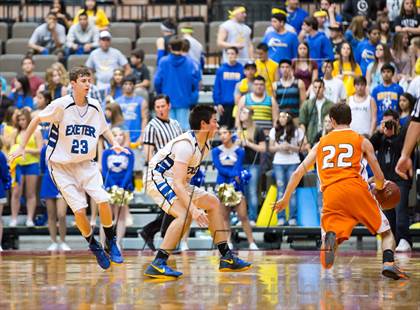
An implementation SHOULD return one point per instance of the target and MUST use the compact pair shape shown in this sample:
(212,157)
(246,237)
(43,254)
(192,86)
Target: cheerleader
(117,170)
(228,158)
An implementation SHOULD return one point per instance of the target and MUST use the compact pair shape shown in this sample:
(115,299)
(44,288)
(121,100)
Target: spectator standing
(295,15)
(135,110)
(346,68)
(280,10)
(403,59)
(320,48)
(409,19)
(58,7)
(158,132)
(386,95)
(367,8)
(196,49)
(181,89)
(48,38)
(282,44)
(27,169)
(105,59)
(405,108)
(266,67)
(234,32)
(168,30)
(304,68)
(373,73)
(97,16)
(388,143)
(334,87)
(363,109)
(82,37)
(265,107)
(140,71)
(289,91)
(227,76)
(313,112)
(285,141)
(365,53)
(21,93)
(356,31)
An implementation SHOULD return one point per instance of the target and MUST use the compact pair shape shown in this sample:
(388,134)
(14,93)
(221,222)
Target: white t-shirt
(287,157)
(361,115)
(237,33)
(334,90)
(75,130)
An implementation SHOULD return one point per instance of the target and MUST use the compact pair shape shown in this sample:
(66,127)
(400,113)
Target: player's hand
(20,151)
(280,205)
(404,167)
(118,148)
(200,217)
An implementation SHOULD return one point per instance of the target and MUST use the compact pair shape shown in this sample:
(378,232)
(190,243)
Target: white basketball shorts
(75,180)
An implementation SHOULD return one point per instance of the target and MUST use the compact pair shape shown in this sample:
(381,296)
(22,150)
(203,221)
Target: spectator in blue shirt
(296,15)
(282,43)
(135,109)
(387,94)
(21,93)
(365,52)
(227,76)
(320,47)
(178,76)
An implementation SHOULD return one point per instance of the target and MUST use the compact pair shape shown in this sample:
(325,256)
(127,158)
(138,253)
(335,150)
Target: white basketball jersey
(162,162)
(75,130)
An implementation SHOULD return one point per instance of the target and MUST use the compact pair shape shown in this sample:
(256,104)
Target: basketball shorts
(160,189)
(75,180)
(348,203)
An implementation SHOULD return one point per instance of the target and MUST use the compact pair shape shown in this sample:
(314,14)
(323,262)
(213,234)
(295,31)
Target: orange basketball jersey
(339,157)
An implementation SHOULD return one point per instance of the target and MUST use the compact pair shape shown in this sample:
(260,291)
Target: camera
(389,124)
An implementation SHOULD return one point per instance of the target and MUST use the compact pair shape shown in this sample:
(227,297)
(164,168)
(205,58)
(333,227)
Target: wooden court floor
(278,280)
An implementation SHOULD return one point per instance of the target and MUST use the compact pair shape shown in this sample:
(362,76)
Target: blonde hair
(64,75)
(356,27)
(247,132)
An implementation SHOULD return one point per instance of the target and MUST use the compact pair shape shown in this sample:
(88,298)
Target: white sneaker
(253,246)
(12,223)
(184,246)
(64,247)
(53,247)
(281,222)
(252,223)
(29,223)
(292,222)
(403,246)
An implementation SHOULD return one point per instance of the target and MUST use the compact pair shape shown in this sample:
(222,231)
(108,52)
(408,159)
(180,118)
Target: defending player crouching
(170,171)
(76,123)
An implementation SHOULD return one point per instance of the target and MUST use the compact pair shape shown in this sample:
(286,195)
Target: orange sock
(82,223)
(105,214)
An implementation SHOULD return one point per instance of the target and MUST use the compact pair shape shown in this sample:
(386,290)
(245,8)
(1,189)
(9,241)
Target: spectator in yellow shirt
(266,67)
(346,68)
(96,16)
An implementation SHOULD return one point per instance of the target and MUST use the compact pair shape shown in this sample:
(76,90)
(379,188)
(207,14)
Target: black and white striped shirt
(159,132)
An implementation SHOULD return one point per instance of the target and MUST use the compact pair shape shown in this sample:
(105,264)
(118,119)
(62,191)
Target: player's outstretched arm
(295,179)
(20,151)
(369,154)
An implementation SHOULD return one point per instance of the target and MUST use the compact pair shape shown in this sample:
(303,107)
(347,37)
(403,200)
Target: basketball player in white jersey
(170,171)
(77,122)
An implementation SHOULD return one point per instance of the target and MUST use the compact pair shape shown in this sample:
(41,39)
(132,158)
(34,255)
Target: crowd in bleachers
(272,89)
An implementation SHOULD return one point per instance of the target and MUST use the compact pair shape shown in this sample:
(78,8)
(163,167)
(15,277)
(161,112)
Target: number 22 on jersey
(343,150)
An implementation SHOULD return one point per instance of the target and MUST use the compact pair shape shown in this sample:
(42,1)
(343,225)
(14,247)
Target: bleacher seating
(11,63)
(43,62)
(23,29)
(17,46)
(148,45)
(124,30)
(122,44)
(150,30)
(76,60)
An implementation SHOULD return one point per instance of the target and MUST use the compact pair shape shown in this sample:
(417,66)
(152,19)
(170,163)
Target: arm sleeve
(53,113)
(160,54)
(128,177)
(34,36)
(183,151)
(228,171)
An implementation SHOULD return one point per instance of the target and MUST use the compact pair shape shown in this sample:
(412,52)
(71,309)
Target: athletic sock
(223,248)
(388,256)
(109,233)
(162,254)
(91,239)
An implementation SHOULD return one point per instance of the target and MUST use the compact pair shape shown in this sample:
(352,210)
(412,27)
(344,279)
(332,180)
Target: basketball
(389,196)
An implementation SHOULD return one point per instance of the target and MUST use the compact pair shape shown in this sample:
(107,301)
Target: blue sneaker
(113,251)
(230,262)
(160,270)
(101,257)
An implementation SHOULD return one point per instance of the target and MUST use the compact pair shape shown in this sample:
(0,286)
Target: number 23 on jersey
(79,147)
(343,151)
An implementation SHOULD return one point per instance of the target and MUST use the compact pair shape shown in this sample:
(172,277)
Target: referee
(158,132)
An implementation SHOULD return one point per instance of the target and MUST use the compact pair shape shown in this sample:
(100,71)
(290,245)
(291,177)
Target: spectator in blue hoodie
(295,15)
(365,52)
(228,74)
(320,47)
(282,43)
(177,76)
